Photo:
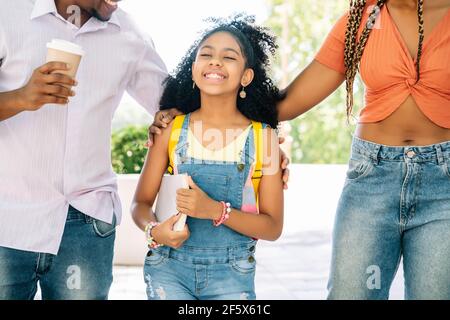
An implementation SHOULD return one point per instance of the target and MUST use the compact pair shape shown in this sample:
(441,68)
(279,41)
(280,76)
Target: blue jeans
(82,270)
(201,274)
(395,202)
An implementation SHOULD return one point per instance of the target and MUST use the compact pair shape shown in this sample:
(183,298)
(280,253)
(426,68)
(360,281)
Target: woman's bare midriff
(407,126)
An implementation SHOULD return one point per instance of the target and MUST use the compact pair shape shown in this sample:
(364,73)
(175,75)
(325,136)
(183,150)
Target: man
(58,194)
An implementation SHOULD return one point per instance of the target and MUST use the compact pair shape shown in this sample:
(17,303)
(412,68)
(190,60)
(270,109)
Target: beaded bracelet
(152,244)
(225,214)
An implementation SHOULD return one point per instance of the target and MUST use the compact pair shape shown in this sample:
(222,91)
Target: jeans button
(149,253)
(241,167)
(252,249)
(251,259)
(410,154)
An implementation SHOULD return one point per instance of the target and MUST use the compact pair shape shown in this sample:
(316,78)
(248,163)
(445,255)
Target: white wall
(310,204)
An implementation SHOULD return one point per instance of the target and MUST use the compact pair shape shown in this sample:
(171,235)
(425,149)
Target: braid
(354,20)
(354,49)
(421,36)
(354,17)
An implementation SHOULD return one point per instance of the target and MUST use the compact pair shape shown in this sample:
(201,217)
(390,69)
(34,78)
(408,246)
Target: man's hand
(45,87)
(284,165)
(162,119)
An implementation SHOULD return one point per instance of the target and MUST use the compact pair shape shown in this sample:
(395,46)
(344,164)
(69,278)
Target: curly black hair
(257,46)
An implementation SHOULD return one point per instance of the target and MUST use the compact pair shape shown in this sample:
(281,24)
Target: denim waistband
(210,255)
(74,214)
(436,153)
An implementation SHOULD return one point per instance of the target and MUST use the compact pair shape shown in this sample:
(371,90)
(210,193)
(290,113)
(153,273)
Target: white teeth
(111,3)
(214,76)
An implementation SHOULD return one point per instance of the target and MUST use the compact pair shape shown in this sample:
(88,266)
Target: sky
(174,26)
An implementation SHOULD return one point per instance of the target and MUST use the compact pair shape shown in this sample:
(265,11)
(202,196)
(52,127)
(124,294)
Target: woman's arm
(266,225)
(147,189)
(312,85)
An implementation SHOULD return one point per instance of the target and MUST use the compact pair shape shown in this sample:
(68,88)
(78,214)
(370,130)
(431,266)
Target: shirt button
(410,154)
(251,259)
(149,253)
(252,249)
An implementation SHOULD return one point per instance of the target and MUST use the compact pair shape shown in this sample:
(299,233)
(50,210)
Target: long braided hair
(354,49)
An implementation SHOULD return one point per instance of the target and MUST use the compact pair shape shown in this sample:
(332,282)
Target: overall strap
(173,141)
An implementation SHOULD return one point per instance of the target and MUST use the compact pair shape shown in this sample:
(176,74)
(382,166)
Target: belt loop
(231,256)
(87,218)
(439,154)
(165,251)
(375,154)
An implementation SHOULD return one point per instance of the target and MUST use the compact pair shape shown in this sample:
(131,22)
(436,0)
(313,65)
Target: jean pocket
(359,168)
(154,258)
(103,229)
(215,185)
(446,168)
(245,265)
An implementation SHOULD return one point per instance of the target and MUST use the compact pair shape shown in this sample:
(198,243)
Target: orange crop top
(388,70)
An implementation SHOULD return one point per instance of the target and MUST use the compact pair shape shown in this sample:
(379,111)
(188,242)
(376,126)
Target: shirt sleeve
(2,47)
(331,54)
(145,85)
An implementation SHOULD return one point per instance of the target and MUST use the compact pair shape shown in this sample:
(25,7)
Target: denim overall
(215,262)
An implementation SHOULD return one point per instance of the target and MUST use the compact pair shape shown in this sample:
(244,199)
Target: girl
(236,190)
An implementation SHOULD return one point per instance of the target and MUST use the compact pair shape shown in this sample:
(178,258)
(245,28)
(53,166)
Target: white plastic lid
(67,46)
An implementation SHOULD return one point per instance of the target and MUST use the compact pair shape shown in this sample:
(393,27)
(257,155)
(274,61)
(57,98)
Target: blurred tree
(128,151)
(322,134)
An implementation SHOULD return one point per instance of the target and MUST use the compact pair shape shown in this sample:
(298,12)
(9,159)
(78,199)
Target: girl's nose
(215,62)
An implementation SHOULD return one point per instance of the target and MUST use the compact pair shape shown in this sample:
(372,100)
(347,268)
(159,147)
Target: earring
(193,84)
(243,94)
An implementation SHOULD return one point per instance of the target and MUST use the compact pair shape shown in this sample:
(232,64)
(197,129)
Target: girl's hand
(197,204)
(164,234)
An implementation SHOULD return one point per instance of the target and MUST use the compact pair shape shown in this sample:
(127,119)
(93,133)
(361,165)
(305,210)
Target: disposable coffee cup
(67,52)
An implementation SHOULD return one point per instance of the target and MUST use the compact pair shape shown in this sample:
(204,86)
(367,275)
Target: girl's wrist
(225,214)
(149,235)
(217,211)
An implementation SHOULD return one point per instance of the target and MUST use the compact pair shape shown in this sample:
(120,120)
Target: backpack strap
(173,141)
(257,172)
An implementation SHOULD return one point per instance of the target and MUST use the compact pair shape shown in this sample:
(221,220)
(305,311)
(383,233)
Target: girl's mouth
(214,76)
(111,4)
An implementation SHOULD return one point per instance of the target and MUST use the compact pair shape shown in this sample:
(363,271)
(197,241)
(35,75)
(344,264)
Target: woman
(396,199)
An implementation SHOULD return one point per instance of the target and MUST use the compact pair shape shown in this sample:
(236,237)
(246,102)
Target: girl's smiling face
(220,66)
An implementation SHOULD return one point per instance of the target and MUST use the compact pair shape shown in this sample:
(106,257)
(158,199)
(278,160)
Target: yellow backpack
(258,140)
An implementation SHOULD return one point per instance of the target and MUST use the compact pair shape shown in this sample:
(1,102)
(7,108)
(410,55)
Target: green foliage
(322,135)
(128,151)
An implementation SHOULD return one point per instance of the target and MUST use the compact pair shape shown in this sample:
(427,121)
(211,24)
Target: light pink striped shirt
(60,155)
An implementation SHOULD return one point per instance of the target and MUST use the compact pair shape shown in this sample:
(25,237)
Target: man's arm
(145,84)
(10,104)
